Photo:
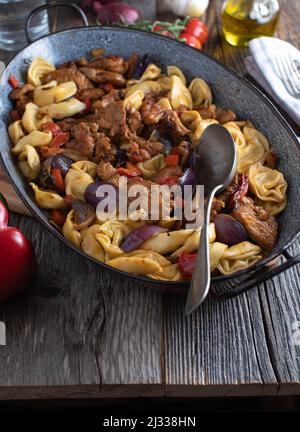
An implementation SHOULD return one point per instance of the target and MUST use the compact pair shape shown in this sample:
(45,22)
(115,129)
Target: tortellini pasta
(29,162)
(254,150)
(110,236)
(165,243)
(76,182)
(134,100)
(52,93)
(144,262)
(216,251)
(269,186)
(201,92)
(191,244)
(34,139)
(69,232)
(64,109)
(151,72)
(150,167)
(37,69)
(179,94)
(193,121)
(239,257)
(174,70)
(89,243)
(86,166)
(146,87)
(48,199)
(15,131)
(32,119)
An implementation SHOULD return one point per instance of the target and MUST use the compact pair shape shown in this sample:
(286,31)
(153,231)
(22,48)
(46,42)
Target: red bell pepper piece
(59,140)
(172,160)
(13,81)
(186,264)
(58,217)
(17,259)
(131,170)
(241,191)
(58,179)
(68,200)
(52,127)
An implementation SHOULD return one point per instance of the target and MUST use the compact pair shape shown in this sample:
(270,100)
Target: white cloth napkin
(275,65)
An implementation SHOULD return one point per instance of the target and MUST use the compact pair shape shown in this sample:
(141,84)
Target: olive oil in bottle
(243,20)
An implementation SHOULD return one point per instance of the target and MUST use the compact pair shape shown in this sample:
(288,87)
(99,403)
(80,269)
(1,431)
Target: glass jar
(243,20)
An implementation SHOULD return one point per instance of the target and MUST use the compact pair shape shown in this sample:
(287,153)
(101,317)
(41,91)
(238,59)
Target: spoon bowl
(215,165)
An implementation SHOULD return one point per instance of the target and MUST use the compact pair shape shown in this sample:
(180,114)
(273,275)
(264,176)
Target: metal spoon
(215,167)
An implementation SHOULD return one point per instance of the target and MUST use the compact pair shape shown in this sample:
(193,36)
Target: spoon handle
(201,277)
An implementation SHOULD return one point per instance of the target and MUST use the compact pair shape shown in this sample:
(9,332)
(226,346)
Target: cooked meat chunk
(134,121)
(151,112)
(22,102)
(46,151)
(105,150)
(111,117)
(93,94)
(105,170)
(225,196)
(259,224)
(272,160)
(225,115)
(131,65)
(111,63)
(216,208)
(184,150)
(103,76)
(207,112)
(19,92)
(83,140)
(68,74)
(141,150)
(171,123)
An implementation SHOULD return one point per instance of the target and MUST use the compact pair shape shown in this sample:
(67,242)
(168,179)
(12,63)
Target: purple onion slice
(139,235)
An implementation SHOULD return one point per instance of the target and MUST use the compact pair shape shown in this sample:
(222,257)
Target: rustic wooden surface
(79,333)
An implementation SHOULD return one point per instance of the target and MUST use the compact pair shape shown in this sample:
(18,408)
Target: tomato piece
(175,151)
(52,127)
(167,180)
(58,179)
(88,104)
(172,160)
(60,139)
(131,170)
(191,40)
(108,87)
(186,264)
(58,217)
(197,28)
(13,81)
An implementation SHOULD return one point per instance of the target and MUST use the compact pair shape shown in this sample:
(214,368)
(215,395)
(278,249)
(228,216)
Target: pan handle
(51,6)
(265,274)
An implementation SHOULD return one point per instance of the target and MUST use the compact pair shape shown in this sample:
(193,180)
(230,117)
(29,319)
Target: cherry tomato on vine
(191,40)
(198,29)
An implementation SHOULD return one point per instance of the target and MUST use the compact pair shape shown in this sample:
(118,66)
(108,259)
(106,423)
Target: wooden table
(79,334)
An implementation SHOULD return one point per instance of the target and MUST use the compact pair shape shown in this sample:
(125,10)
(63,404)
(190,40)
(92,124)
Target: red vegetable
(131,170)
(241,191)
(191,40)
(115,12)
(161,31)
(13,81)
(58,217)
(60,139)
(186,264)
(68,200)
(198,29)
(172,160)
(58,179)
(52,127)
(14,115)
(108,87)
(17,260)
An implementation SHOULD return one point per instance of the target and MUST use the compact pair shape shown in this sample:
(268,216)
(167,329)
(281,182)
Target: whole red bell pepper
(17,259)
